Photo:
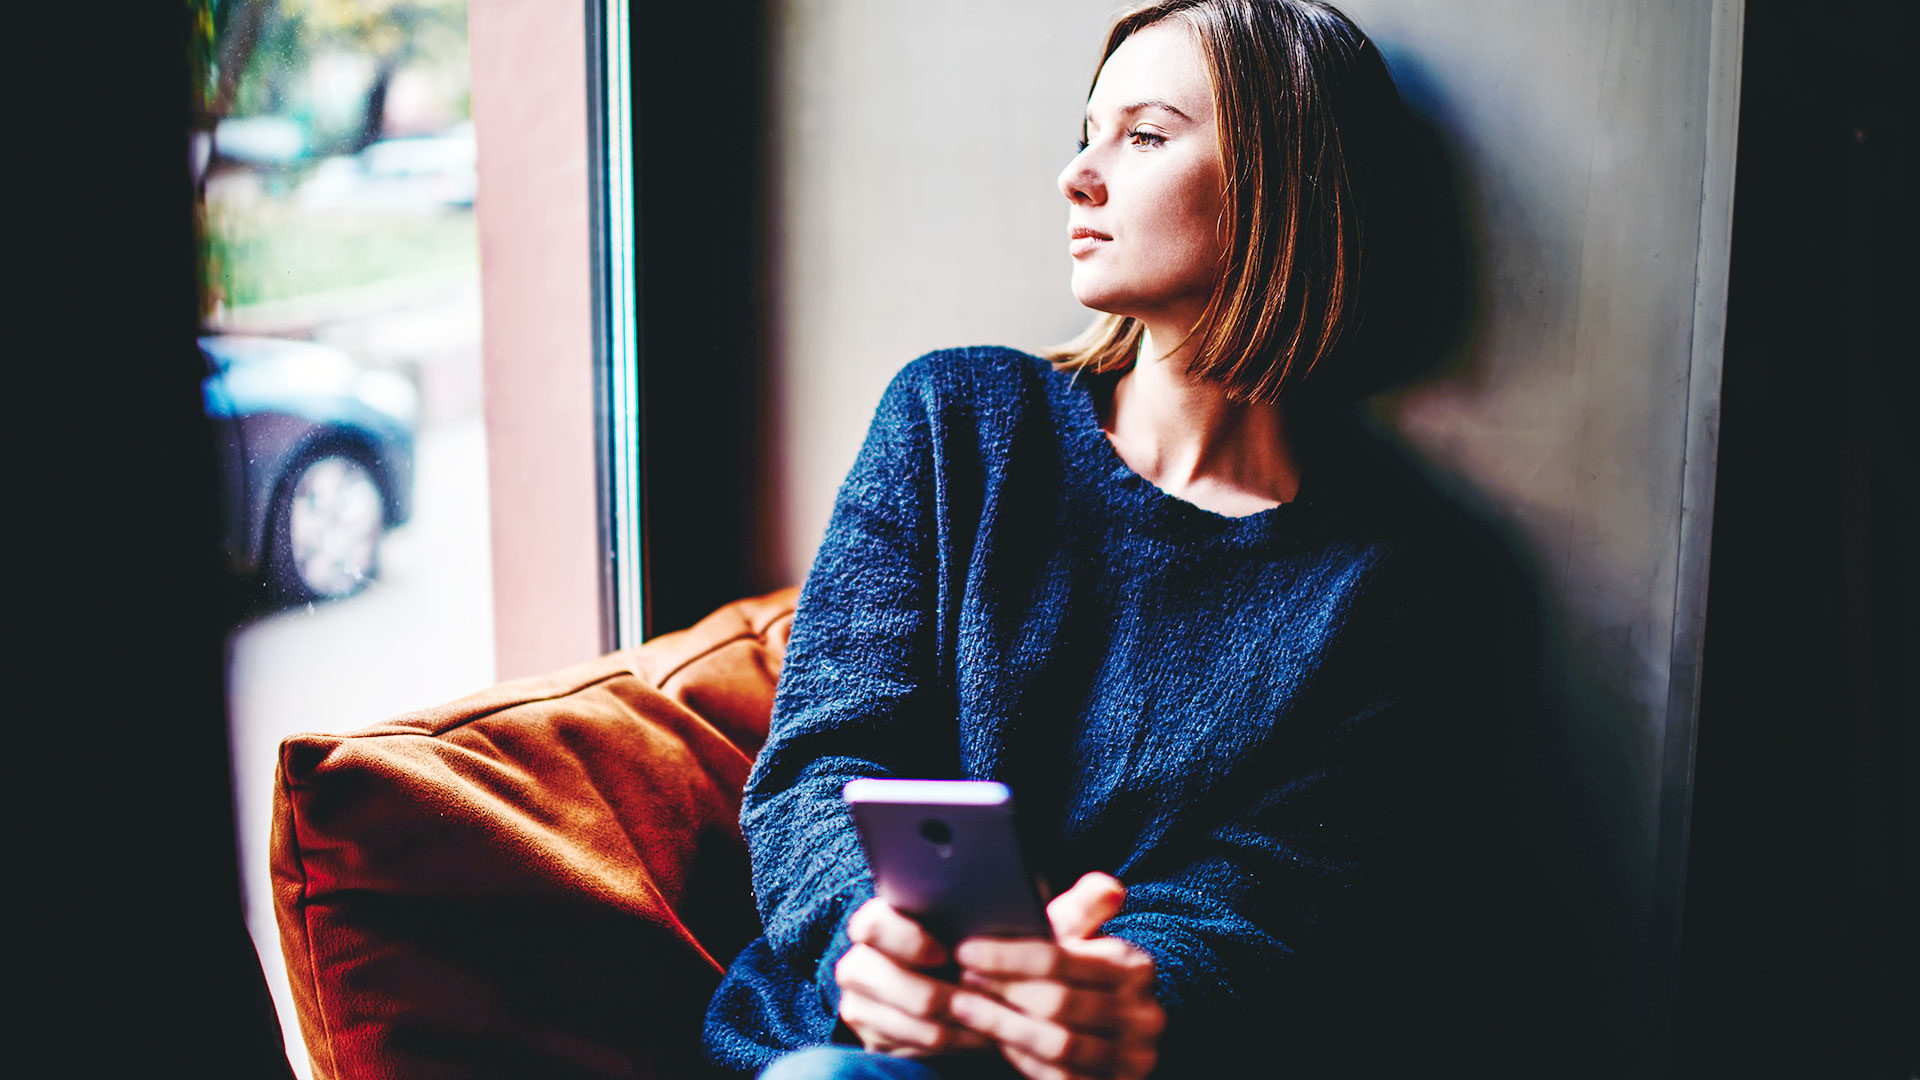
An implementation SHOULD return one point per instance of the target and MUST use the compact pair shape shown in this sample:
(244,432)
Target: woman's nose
(1080,182)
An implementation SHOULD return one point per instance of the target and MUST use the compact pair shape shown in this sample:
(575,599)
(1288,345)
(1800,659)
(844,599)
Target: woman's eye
(1143,137)
(1080,147)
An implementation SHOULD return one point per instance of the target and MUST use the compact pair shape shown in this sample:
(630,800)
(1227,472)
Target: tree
(392,32)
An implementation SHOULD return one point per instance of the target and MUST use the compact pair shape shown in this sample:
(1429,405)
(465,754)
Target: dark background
(1797,953)
(1798,946)
(703,251)
(125,939)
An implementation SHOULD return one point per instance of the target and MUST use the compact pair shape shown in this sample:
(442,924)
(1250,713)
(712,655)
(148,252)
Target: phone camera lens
(935,831)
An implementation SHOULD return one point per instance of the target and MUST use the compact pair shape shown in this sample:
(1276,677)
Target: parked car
(317,461)
(408,172)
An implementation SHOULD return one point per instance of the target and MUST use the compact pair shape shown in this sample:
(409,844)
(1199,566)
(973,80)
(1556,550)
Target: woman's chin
(1097,298)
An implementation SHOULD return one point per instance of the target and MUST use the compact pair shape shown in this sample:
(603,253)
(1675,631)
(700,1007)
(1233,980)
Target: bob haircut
(1306,114)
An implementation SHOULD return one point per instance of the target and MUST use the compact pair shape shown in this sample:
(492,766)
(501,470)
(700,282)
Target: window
(400,259)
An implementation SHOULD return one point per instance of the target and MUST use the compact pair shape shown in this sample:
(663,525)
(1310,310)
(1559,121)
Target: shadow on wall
(1561,951)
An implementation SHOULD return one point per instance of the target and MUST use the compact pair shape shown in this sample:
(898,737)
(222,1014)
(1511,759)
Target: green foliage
(385,28)
(279,58)
(202,45)
(291,35)
(270,251)
(258,58)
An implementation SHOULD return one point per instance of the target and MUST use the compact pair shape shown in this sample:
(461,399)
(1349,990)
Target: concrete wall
(1595,146)
(914,156)
(1594,149)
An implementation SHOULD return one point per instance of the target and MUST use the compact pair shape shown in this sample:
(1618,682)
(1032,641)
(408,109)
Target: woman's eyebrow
(1150,103)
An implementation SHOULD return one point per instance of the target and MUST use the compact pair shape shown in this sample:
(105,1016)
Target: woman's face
(1145,195)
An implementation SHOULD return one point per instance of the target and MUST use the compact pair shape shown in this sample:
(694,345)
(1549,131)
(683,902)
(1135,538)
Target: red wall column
(530,117)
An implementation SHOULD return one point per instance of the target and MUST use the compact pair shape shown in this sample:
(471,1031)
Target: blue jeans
(850,1063)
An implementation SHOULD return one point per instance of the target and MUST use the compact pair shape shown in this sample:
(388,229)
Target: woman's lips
(1082,240)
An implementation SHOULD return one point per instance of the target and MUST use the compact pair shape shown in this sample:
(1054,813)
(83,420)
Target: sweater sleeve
(858,694)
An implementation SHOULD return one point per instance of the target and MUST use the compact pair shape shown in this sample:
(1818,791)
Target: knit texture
(1237,717)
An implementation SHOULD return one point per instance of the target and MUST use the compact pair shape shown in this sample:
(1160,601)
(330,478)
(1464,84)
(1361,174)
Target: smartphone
(945,853)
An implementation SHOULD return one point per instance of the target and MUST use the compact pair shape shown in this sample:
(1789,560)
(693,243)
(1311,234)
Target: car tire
(325,526)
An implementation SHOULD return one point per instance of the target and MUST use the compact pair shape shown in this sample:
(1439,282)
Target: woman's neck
(1187,439)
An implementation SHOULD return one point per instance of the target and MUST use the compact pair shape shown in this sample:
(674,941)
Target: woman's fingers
(884,1028)
(866,970)
(1135,1064)
(1078,912)
(1077,1008)
(1035,1068)
(892,1007)
(1072,1051)
(1105,963)
(1090,1010)
(876,924)
(1047,999)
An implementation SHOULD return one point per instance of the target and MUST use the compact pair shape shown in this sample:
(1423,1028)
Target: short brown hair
(1303,105)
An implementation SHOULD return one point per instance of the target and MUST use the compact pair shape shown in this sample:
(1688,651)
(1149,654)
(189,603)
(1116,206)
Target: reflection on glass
(335,159)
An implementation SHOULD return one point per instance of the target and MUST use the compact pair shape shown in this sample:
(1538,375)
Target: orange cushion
(541,879)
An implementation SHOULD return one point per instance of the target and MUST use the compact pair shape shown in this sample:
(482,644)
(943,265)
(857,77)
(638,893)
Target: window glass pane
(336,152)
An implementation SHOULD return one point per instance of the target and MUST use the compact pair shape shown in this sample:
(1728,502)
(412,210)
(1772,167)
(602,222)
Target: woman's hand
(1077,1006)
(886,994)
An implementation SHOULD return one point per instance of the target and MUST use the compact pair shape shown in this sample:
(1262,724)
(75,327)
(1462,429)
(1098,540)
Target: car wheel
(326,527)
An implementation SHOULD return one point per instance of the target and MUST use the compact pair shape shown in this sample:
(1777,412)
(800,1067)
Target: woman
(1135,585)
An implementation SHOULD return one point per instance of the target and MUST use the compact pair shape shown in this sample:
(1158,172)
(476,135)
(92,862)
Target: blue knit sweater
(1233,716)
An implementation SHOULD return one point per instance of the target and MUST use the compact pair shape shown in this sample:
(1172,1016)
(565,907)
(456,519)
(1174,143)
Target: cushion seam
(745,635)
(699,656)
(757,633)
(375,732)
(768,625)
